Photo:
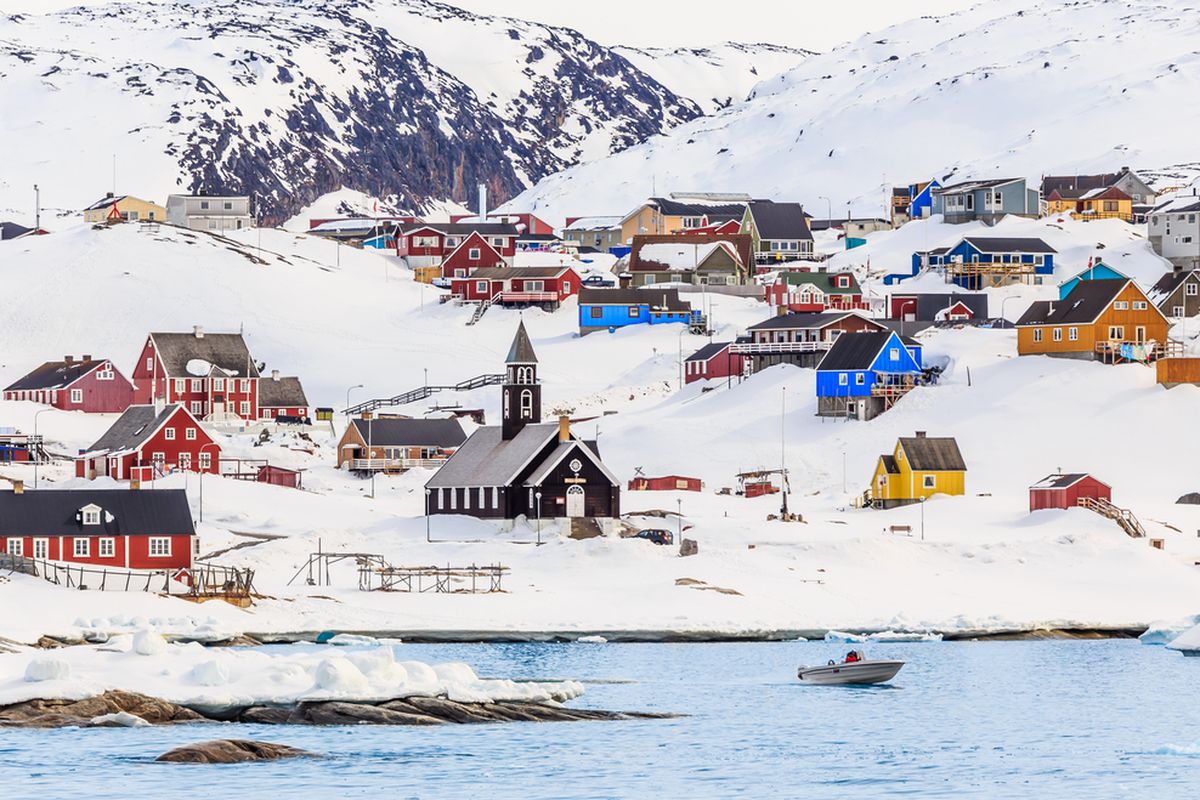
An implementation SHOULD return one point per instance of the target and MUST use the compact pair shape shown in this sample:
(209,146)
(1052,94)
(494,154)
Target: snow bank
(190,674)
(1165,631)
(149,643)
(1188,641)
(882,636)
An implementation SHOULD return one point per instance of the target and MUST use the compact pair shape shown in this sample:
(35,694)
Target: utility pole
(37,208)
(783,450)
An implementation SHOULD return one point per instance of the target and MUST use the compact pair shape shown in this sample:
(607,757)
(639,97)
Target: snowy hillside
(1012,87)
(338,317)
(291,99)
(714,77)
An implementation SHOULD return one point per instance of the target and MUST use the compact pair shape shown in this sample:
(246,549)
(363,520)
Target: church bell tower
(522,394)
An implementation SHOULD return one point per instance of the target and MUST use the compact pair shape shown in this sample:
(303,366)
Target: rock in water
(232,751)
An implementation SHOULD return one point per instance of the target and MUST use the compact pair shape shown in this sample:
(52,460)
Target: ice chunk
(47,669)
(592,640)
(121,719)
(148,643)
(842,636)
(340,676)
(1164,631)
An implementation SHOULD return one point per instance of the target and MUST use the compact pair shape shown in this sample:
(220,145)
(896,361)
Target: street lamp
(38,458)
(428,491)
(538,496)
(828,206)
(913,303)
(201,466)
(348,391)
(1003,303)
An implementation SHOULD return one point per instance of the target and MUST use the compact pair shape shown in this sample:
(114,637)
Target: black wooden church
(523,465)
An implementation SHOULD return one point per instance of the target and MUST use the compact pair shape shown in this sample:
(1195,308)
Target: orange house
(1110,320)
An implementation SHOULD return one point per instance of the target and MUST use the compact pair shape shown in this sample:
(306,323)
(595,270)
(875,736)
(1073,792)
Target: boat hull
(859,672)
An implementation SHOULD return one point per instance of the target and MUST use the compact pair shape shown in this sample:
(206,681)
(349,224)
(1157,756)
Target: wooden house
(279,476)
(713,361)
(1097,271)
(919,467)
(728,227)
(1067,490)
(1061,193)
(1173,229)
(986,201)
(800,339)
(696,259)
(212,374)
(816,291)
(660,216)
(1177,293)
(518,286)
(608,309)
(282,398)
(127,528)
(665,483)
(472,252)
(396,445)
(429,244)
(147,442)
(525,223)
(1108,320)
(864,374)
(931,307)
(594,234)
(524,467)
(779,231)
(91,385)
(126,208)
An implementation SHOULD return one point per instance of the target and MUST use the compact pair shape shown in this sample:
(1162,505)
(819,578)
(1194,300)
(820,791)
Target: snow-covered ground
(337,316)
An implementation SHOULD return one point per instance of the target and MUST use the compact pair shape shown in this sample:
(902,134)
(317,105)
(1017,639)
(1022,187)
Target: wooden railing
(779,347)
(383,464)
(1122,516)
(1145,352)
(528,297)
(201,580)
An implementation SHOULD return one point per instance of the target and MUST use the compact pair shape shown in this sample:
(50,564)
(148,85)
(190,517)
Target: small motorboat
(849,673)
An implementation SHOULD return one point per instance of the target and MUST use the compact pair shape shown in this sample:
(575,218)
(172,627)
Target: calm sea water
(1105,719)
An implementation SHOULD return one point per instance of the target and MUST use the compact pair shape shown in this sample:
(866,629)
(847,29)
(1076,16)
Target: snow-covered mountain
(290,99)
(714,77)
(1022,87)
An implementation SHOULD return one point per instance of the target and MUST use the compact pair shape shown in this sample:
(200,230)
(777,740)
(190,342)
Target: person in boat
(852,657)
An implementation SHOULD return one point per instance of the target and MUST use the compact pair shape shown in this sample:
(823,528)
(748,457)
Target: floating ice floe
(882,637)
(1165,631)
(592,640)
(1188,642)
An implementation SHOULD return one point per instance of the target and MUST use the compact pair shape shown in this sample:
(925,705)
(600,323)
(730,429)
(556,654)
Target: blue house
(609,309)
(978,262)
(1097,272)
(864,374)
(921,204)
(987,201)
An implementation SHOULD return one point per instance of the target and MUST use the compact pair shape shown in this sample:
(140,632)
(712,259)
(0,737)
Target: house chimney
(198,331)
(108,195)
(564,428)
(483,202)
(920,434)
(87,358)
(18,487)
(274,374)
(68,359)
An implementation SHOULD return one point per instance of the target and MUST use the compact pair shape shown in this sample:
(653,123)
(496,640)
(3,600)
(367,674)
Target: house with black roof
(1177,293)
(800,339)
(609,309)
(913,312)
(714,361)
(979,262)
(987,201)
(398,444)
(282,398)
(779,231)
(149,441)
(660,216)
(133,529)
(864,374)
(1173,229)
(524,467)
(91,385)
(918,468)
(1106,320)
(124,208)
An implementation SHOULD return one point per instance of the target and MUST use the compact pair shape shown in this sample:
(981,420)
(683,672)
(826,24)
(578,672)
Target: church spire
(522,394)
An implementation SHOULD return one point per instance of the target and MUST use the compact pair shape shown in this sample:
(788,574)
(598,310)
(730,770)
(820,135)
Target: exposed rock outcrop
(232,751)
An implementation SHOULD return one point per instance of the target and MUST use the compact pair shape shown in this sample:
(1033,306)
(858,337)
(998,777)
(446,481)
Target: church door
(575,501)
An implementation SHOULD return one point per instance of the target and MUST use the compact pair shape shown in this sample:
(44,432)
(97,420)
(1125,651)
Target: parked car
(656,535)
(441,283)
(598,282)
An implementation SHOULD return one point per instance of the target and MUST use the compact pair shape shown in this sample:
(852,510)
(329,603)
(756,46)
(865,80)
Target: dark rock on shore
(66,713)
(232,751)
(401,711)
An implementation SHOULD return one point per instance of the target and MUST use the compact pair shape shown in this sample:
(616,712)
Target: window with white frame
(929,481)
(860,379)
(81,547)
(149,363)
(16,546)
(169,434)
(1057,334)
(245,407)
(1037,334)
(160,546)
(91,516)
(481,286)
(185,461)
(894,353)
(108,547)
(218,384)
(105,373)
(1121,305)
(1139,305)
(843,379)
(197,407)
(497,241)
(197,385)
(474,253)
(205,460)
(190,434)
(244,385)
(526,403)
(1073,334)
(180,386)
(77,395)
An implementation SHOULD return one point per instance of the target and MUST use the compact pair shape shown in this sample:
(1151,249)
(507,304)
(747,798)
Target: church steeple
(522,394)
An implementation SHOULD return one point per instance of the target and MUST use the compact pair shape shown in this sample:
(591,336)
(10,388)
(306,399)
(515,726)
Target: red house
(91,385)
(473,253)
(105,527)
(712,361)
(804,291)
(729,226)
(519,286)
(210,373)
(666,483)
(429,244)
(148,442)
(281,397)
(1065,491)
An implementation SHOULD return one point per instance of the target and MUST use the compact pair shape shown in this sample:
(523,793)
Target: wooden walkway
(1122,516)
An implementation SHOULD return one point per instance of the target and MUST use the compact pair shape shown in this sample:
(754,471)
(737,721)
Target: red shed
(1065,491)
(712,361)
(135,529)
(147,442)
(92,385)
(279,476)
(666,483)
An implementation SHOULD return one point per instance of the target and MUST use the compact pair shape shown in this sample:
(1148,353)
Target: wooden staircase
(1122,516)
(482,309)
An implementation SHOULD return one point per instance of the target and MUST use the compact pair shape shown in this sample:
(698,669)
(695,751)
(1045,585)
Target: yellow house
(662,215)
(918,468)
(131,209)
(1105,202)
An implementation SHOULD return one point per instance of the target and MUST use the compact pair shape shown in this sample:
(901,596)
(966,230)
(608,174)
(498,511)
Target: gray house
(1173,228)
(987,201)
(215,213)
(596,233)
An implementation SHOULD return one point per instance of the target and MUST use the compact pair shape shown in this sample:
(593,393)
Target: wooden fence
(201,581)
